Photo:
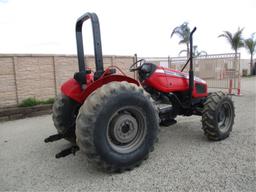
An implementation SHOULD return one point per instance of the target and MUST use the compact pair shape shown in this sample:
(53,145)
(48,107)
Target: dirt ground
(183,160)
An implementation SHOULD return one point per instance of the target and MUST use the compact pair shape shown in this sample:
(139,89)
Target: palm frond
(250,45)
(235,40)
(202,53)
(184,41)
(183,51)
(175,31)
(182,32)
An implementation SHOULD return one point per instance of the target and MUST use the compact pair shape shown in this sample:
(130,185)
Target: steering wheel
(135,67)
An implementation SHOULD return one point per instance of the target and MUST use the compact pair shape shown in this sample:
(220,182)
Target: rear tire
(218,116)
(117,126)
(64,115)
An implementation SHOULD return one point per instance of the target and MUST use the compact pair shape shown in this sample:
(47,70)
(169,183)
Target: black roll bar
(96,42)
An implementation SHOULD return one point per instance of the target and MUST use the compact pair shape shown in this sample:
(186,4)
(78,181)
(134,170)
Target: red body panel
(167,80)
(72,88)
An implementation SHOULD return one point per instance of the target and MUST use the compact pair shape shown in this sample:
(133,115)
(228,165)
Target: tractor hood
(175,73)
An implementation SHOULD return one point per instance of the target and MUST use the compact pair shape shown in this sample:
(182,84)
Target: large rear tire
(117,126)
(218,116)
(64,115)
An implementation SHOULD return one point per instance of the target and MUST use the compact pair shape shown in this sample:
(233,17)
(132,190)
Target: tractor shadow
(186,128)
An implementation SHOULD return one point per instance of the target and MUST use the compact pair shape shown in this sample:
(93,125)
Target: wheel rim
(224,117)
(126,129)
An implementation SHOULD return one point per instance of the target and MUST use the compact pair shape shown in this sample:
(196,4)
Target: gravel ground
(183,160)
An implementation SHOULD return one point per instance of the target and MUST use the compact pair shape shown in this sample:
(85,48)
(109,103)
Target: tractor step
(168,122)
(66,152)
(52,138)
(164,108)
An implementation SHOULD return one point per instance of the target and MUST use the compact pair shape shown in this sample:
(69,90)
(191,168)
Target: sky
(127,27)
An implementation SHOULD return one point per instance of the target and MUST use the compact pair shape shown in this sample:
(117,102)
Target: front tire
(218,116)
(117,126)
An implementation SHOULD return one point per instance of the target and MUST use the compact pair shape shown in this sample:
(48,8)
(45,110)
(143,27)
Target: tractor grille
(200,88)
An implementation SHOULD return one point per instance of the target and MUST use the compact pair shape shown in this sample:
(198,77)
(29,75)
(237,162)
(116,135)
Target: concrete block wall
(7,82)
(34,77)
(40,76)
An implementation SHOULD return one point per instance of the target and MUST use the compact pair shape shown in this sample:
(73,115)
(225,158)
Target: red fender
(72,88)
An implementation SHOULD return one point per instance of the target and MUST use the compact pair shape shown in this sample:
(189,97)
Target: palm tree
(235,40)
(183,32)
(250,45)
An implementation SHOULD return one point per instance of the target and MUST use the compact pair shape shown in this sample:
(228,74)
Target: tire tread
(87,117)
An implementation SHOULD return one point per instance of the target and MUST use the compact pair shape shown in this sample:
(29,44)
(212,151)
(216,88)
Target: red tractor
(115,119)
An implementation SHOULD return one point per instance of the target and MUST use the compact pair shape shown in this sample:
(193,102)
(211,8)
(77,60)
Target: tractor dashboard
(146,70)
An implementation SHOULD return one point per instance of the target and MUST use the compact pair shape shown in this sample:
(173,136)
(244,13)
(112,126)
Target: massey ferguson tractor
(115,119)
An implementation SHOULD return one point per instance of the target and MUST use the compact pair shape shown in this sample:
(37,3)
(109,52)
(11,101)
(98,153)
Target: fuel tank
(167,80)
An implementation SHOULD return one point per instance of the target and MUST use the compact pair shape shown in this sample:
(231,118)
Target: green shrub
(48,101)
(29,102)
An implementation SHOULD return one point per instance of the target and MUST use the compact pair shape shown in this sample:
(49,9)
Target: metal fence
(221,71)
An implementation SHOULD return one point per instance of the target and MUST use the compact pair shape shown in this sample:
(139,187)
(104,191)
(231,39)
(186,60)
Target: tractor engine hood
(167,80)
(147,69)
(179,74)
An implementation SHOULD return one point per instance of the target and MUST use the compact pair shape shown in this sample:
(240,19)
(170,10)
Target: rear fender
(72,88)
